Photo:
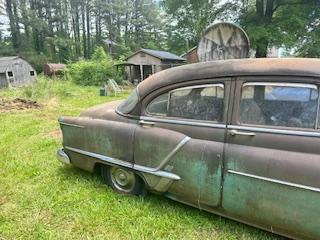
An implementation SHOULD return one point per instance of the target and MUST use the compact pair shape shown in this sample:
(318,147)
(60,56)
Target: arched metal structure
(223,41)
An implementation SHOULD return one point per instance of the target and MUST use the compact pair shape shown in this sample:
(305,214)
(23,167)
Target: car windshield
(127,105)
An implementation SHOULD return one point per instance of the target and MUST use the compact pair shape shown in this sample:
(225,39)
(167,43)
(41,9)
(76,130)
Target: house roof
(189,51)
(5,62)
(163,55)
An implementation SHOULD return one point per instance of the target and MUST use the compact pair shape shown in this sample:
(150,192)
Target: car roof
(309,67)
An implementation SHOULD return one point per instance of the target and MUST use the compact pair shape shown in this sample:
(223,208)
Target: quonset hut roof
(5,62)
(163,55)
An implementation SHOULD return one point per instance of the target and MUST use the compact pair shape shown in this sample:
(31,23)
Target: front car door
(272,163)
(182,130)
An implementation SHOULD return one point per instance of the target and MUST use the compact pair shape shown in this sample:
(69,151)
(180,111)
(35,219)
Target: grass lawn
(42,199)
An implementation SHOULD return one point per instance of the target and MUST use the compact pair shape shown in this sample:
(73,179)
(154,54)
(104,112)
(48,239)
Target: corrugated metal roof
(5,62)
(160,54)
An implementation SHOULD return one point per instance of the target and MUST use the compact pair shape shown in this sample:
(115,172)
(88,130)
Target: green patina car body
(239,138)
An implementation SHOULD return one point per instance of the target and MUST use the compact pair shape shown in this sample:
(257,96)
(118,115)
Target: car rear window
(279,104)
(128,105)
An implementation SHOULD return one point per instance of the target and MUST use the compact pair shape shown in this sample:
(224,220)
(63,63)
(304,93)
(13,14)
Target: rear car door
(272,163)
(182,131)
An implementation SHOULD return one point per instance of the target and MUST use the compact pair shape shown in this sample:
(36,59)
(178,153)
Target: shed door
(3,80)
(20,73)
(272,168)
(190,123)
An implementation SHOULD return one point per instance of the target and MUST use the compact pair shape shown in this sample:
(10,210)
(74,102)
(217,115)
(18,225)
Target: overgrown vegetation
(43,199)
(95,71)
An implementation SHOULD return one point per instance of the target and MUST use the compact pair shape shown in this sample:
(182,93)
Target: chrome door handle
(236,132)
(146,123)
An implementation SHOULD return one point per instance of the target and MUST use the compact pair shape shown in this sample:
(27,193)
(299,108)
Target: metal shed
(15,72)
(145,62)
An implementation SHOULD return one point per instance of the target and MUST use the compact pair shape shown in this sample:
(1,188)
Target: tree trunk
(88,30)
(13,26)
(84,39)
(264,17)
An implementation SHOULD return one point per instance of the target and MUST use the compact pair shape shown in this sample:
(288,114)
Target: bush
(93,72)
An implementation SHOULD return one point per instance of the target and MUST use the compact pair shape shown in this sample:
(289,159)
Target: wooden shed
(145,62)
(53,69)
(191,56)
(15,72)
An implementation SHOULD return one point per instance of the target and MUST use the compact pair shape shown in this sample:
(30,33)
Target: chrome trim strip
(277,84)
(221,85)
(318,109)
(314,189)
(183,122)
(118,162)
(277,131)
(71,125)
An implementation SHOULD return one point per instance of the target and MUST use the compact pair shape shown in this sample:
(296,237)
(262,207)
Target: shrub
(93,72)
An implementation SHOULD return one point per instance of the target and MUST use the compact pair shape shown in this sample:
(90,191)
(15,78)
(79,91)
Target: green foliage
(99,54)
(36,60)
(93,72)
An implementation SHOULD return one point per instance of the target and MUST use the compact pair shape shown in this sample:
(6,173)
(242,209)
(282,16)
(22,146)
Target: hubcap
(122,180)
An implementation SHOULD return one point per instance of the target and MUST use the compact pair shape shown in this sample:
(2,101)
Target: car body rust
(263,173)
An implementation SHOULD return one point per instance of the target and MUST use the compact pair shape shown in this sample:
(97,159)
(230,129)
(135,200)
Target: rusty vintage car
(239,138)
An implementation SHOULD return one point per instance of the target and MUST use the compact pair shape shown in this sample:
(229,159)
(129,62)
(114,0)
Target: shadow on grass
(162,205)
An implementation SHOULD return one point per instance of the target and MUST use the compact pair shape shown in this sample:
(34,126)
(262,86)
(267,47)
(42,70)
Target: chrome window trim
(281,84)
(118,162)
(184,122)
(314,189)
(276,131)
(199,86)
(318,109)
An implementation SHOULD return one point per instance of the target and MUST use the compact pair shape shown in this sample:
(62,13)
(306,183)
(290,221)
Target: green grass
(43,199)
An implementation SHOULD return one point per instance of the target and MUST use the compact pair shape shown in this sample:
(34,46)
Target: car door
(272,155)
(182,131)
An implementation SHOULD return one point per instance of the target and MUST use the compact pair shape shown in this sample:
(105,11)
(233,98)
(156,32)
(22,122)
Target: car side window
(203,102)
(279,104)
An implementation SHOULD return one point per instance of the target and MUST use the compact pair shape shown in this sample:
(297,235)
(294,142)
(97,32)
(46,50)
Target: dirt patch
(17,104)
(55,134)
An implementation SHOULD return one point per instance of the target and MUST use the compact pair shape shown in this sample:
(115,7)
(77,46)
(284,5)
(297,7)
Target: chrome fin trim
(314,189)
(121,163)
(170,155)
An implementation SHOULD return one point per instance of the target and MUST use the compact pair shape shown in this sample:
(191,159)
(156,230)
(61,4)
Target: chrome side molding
(183,122)
(121,163)
(314,189)
(274,130)
(60,120)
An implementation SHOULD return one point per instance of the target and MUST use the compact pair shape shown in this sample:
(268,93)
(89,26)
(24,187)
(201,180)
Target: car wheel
(123,180)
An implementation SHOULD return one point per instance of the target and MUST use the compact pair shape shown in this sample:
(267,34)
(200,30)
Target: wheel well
(98,166)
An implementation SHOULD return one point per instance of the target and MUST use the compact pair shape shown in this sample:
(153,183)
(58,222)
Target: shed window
(203,102)
(279,104)
(10,74)
(31,73)
(142,54)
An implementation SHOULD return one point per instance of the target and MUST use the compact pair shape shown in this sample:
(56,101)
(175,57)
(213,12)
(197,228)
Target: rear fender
(85,138)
